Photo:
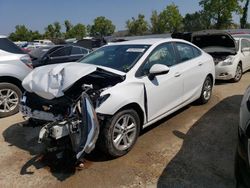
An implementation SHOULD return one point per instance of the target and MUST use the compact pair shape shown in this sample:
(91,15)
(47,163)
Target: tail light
(27,61)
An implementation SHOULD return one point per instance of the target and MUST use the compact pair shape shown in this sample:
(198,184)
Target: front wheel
(206,91)
(9,99)
(119,133)
(238,74)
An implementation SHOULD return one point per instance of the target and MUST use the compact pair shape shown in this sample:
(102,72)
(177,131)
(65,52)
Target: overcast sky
(37,14)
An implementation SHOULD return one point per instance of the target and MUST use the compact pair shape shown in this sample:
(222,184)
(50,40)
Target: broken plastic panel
(84,136)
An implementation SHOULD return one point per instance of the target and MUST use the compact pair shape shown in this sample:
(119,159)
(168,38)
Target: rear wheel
(120,133)
(206,91)
(238,74)
(9,99)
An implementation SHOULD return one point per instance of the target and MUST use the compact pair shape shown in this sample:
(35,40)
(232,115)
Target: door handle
(200,63)
(177,74)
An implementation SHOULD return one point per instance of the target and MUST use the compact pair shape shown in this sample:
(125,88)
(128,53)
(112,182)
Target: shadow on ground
(206,158)
(25,136)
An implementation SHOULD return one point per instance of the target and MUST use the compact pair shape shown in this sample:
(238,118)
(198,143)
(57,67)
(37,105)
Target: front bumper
(37,114)
(224,72)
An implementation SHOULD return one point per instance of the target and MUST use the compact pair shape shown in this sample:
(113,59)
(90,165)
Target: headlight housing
(228,61)
(102,99)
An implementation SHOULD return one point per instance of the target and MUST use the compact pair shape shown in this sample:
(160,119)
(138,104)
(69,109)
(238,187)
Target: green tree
(78,31)
(170,19)
(67,25)
(102,27)
(137,26)
(155,23)
(53,31)
(220,11)
(35,35)
(196,21)
(21,34)
(243,20)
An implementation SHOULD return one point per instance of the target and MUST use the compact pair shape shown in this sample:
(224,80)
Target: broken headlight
(102,99)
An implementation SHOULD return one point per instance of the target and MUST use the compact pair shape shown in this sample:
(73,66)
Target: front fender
(122,95)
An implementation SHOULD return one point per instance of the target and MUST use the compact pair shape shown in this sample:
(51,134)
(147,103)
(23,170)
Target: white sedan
(231,55)
(130,84)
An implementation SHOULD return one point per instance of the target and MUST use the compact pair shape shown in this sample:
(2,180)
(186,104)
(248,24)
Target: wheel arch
(137,108)
(12,80)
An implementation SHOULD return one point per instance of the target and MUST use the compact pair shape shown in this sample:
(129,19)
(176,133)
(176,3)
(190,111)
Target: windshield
(119,57)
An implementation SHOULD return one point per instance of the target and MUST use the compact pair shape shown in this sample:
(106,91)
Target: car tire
(9,99)
(123,127)
(238,73)
(206,91)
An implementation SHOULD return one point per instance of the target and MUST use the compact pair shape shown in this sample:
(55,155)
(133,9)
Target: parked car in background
(241,35)
(38,53)
(231,56)
(242,160)
(124,87)
(58,54)
(14,66)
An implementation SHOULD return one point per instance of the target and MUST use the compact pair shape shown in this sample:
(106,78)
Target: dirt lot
(193,148)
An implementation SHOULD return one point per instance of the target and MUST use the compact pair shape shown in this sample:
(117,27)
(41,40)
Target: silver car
(14,66)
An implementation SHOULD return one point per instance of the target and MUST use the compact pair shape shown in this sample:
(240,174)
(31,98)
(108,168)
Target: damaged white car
(114,92)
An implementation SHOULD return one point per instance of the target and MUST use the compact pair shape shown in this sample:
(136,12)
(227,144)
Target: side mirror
(157,69)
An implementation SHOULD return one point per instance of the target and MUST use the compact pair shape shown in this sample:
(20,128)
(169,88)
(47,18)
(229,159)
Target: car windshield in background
(119,57)
(8,46)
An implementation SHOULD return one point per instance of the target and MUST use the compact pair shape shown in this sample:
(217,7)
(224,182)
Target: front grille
(56,106)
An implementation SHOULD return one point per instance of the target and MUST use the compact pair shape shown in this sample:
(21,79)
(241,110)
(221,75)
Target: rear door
(192,69)
(61,55)
(76,53)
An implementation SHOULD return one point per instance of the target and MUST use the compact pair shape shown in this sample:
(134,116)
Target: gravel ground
(194,147)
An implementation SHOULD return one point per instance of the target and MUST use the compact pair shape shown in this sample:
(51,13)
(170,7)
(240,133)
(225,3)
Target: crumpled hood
(50,81)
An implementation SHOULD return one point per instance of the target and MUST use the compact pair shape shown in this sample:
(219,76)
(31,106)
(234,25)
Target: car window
(196,51)
(8,46)
(244,43)
(76,51)
(185,51)
(120,57)
(163,54)
(61,52)
(84,51)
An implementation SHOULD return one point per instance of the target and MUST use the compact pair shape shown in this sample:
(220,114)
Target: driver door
(164,92)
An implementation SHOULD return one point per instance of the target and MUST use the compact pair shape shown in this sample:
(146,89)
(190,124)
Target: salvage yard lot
(194,147)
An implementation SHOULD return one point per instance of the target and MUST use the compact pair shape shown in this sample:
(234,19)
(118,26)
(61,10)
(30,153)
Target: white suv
(14,66)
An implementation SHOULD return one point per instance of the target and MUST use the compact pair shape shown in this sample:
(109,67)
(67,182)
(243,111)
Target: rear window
(8,46)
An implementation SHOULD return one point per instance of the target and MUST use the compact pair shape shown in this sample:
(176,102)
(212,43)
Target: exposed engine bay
(219,56)
(72,124)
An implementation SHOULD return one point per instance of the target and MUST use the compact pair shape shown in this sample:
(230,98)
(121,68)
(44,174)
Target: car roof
(149,41)
(2,36)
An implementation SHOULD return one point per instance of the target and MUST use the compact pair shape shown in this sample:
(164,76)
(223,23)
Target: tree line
(215,14)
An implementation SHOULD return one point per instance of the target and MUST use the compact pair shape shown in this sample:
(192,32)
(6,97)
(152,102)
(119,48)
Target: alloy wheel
(8,100)
(238,73)
(124,132)
(207,90)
